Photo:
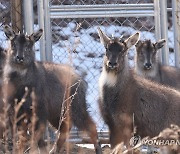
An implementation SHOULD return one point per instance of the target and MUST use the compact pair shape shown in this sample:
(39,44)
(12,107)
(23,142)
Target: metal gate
(61,38)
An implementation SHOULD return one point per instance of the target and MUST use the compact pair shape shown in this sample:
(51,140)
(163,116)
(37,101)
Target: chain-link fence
(95,2)
(88,55)
(87,52)
(4,18)
(11,14)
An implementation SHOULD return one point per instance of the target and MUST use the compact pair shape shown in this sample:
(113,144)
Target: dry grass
(20,143)
(162,146)
(21,138)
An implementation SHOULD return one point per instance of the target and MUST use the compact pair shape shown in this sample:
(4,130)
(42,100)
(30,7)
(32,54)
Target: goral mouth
(147,69)
(18,65)
(113,69)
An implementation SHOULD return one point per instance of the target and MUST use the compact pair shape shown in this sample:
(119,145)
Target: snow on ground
(88,59)
(3,42)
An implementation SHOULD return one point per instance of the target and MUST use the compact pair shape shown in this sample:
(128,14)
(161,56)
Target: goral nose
(112,65)
(19,59)
(147,66)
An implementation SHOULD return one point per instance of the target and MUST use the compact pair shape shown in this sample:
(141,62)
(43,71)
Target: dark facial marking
(115,47)
(22,50)
(21,38)
(149,49)
(114,52)
(146,51)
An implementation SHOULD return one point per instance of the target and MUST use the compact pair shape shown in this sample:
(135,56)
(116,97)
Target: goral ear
(132,40)
(159,44)
(103,37)
(36,36)
(9,32)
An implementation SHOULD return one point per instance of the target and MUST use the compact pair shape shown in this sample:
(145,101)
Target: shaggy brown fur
(128,101)
(2,62)
(52,83)
(148,66)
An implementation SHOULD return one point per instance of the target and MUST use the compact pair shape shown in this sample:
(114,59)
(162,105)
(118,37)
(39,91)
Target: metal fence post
(28,16)
(47,30)
(40,4)
(176,28)
(164,31)
(157,24)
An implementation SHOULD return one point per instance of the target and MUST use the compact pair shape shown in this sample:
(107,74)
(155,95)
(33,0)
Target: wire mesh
(94,2)
(16,15)
(86,49)
(11,14)
(4,19)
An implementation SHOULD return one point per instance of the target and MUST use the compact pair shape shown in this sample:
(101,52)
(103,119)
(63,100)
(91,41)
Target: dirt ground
(74,149)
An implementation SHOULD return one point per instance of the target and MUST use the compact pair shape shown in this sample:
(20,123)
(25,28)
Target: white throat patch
(7,70)
(106,78)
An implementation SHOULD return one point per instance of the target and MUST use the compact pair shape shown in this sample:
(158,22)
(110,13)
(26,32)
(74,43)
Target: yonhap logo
(156,142)
(135,140)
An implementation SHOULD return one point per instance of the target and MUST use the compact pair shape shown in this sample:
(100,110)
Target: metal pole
(164,31)
(28,16)
(157,24)
(40,4)
(48,30)
(176,29)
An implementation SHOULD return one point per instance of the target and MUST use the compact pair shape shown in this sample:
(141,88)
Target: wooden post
(16,15)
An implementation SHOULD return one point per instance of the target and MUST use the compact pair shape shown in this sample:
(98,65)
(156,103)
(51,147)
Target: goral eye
(141,52)
(26,49)
(13,46)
